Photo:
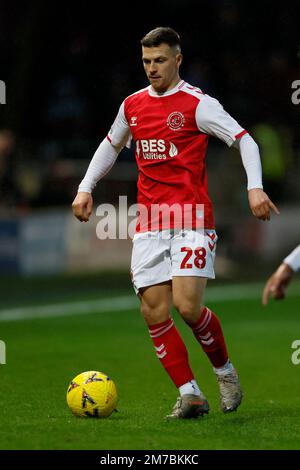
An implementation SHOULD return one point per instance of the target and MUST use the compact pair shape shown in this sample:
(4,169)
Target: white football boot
(189,406)
(230,391)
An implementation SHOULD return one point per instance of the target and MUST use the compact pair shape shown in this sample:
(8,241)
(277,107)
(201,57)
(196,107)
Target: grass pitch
(44,354)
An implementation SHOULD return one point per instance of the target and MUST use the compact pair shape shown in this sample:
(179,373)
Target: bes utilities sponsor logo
(155,149)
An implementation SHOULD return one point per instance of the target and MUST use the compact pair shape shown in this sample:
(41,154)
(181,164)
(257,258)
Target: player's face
(161,65)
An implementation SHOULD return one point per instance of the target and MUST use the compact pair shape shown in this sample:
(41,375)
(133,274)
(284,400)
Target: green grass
(43,355)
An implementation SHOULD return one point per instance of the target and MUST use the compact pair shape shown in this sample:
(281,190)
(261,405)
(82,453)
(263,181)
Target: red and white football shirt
(171,132)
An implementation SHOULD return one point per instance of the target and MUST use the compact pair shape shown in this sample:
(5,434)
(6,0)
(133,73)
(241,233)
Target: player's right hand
(277,284)
(82,206)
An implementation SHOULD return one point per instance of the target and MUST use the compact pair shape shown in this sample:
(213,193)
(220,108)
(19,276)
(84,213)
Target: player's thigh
(150,261)
(192,257)
(188,293)
(156,302)
(193,253)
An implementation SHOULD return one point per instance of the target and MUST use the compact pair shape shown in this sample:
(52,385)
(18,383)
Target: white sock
(227,368)
(190,388)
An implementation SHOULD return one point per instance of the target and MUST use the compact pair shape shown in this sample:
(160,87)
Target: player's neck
(171,86)
(174,83)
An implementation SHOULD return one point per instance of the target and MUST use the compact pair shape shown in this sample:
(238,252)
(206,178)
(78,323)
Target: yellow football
(92,394)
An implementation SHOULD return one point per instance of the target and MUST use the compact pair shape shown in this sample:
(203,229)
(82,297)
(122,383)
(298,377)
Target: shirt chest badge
(175,121)
(133,121)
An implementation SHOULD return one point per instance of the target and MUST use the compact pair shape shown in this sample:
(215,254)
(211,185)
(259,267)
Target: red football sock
(209,333)
(171,351)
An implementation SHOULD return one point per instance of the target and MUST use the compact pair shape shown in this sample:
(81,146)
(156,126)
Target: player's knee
(154,314)
(189,312)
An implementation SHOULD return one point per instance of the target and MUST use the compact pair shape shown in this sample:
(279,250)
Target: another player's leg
(187,294)
(171,350)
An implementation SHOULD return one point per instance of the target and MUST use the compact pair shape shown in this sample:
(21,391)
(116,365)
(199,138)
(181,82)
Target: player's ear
(179,59)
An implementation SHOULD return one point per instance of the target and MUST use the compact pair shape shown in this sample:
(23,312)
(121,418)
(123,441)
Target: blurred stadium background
(66,72)
(67,67)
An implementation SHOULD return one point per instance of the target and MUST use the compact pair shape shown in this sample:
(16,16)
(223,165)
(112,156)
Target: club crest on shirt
(133,120)
(175,120)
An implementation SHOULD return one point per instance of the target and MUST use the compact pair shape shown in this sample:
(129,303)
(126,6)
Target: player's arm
(214,120)
(277,284)
(259,202)
(102,161)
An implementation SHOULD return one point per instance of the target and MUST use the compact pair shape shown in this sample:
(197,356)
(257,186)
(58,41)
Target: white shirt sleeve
(107,152)
(212,119)
(293,259)
(102,161)
(249,151)
(119,134)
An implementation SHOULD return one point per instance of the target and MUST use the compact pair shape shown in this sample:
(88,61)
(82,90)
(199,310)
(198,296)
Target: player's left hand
(260,204)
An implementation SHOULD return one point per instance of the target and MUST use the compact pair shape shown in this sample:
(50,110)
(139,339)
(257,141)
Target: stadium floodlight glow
(2,92)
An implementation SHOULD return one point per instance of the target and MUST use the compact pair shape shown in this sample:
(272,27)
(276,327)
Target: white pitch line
(116,304)
(65,309)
